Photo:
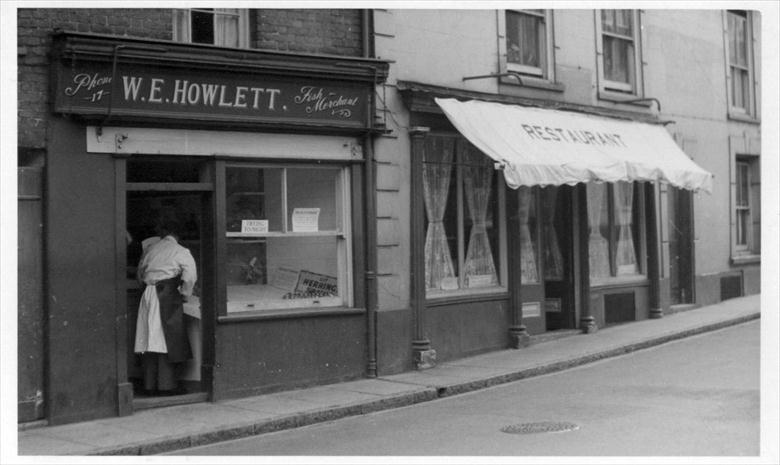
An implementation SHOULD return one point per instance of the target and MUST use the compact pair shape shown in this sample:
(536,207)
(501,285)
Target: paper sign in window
(305,219)
(254,226)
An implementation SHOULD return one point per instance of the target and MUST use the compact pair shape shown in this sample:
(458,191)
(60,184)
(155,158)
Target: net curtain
(598,252)
(529,272)
(625,256)
(478,184)
(437,170)
(553,260)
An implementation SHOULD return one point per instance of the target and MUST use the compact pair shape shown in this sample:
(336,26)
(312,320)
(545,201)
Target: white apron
(149,335)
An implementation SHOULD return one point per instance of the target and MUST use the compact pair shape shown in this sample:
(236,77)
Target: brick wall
(336,32)
(34,29)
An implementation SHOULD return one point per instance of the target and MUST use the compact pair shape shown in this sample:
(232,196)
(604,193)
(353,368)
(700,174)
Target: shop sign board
(92,88)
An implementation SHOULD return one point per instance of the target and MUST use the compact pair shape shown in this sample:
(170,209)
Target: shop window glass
(527,219)
(226,27)
(614,222)
(463,221)
(287,238)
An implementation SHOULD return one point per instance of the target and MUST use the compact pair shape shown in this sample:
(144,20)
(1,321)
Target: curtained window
(463,227)
(226,27)
(618,48)
(527,219)
(615,240)
(527,45)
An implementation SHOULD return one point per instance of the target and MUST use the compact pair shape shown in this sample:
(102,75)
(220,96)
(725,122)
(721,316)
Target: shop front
(532,220)
(262,161)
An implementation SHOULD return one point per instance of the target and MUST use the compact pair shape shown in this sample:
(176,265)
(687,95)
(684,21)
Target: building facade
(346,217)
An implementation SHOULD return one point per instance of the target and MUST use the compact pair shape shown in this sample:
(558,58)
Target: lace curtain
(437,170)
(529,272)
(477,184)
(181,25)
(625,256)
(226,27)
(598,251)
(553,260)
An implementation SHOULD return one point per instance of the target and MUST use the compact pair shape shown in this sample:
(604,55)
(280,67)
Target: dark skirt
(172,317)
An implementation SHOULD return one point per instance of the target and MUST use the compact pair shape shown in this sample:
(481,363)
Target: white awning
(540,147)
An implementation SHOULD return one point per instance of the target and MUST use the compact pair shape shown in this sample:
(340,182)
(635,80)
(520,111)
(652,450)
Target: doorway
(557,235)
(145,209)
(680,246)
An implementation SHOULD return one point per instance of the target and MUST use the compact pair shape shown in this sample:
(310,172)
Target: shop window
(747,223)
(615,223)
(529,239)
(528,42)
(287,237)
(740,73)
(464,225)
(226,27)
(619,52)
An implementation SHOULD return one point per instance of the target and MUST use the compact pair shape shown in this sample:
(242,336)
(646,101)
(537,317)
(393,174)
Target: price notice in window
(254,226)
(306,220)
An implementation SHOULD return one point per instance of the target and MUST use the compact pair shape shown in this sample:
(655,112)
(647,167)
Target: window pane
(598,225)
(226,27)
(202,29)
(742,226)
(312,196)
(525,39)
(743,185)
(618,22)
(479,266)
(624,251)
(441,229)
(618,60)
(253,194)
(527,219)
(282,272)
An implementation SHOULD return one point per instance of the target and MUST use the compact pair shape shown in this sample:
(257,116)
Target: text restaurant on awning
(540,147)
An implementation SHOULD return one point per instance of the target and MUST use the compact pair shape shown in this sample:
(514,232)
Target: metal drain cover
(540,427)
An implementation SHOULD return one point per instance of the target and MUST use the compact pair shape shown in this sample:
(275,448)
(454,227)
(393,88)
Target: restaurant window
(288,241)
(619,51)
(528,42)
(746,218)
(741,90)
(226,27)
(615,240)
(464,225)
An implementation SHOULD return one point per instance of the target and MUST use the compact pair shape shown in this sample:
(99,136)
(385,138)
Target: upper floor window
(741,92)
(226,27)
(526,43)
(747,223)
(619,51)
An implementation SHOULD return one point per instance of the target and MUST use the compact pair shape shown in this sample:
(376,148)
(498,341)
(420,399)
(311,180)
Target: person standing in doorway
(168,271)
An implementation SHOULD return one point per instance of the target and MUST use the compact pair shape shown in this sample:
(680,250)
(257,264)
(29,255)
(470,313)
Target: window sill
(622,97)
(533,82)
(745,118)
(634,281)
(494,294)
(747,259)
(258,315)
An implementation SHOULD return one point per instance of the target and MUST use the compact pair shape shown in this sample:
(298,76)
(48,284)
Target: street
(697,396)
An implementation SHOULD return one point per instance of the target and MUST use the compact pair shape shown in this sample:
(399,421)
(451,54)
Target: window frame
(462,233)
(615,90)
(343,233)
(750,111)
(541,77)
(242,33)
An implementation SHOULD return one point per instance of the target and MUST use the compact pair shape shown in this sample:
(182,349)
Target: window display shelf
(283,234)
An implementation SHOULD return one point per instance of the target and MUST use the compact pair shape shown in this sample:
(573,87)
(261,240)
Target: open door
(144,210)
(556,215)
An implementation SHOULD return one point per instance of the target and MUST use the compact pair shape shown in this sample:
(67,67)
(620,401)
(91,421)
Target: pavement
(167,429)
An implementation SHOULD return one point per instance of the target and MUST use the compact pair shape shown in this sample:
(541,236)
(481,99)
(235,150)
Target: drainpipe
(369,186)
